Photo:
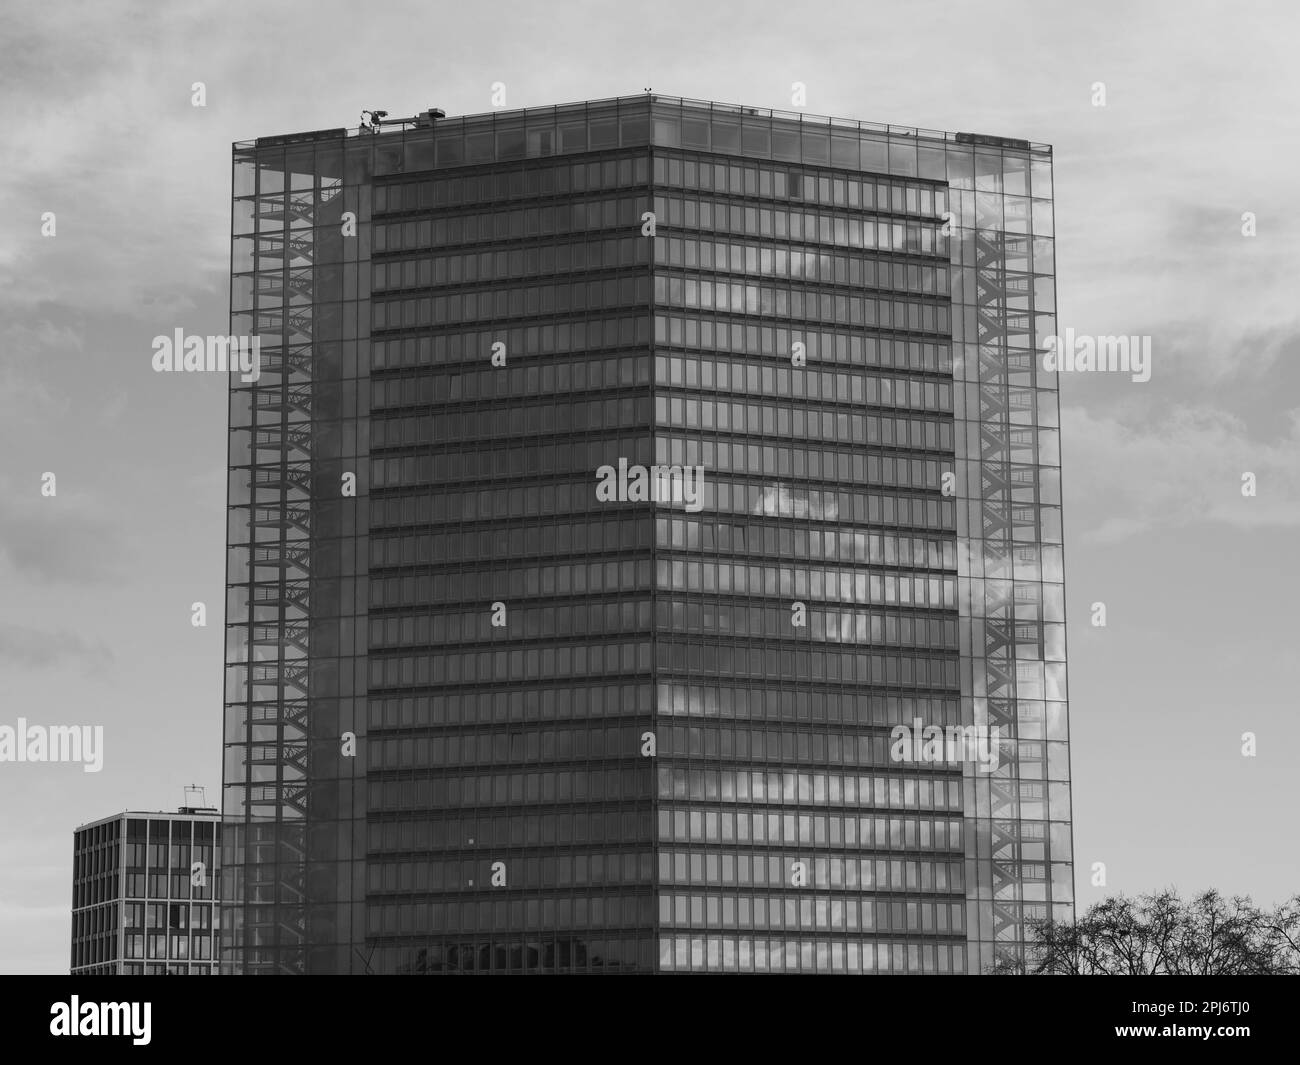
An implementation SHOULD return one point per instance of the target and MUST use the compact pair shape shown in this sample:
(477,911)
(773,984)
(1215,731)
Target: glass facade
(482,717)
(144,898)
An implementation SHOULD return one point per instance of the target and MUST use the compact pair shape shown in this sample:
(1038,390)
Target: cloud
(29,648)
(26,398)
(129,97)
(29,338)
(58,540)
(27,932)
(1183,469)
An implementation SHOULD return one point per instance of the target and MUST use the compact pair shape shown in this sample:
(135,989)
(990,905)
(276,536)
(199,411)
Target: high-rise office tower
(644,547)
(144,898)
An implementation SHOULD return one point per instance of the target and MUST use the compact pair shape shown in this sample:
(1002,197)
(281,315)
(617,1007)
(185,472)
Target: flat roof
(649,100)
(202,813)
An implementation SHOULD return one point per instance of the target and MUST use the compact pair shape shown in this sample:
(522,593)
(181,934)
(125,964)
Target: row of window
(425,271)
(702,911)
(556,378)
(686,868)
(713,495)
(671,653)
(440,790)
(101,887)
(200,946)
(769,702)
(521,623)
(499,749)
(822,830)
(796,870)
(94,951)
(589,456)
(484,225)
(786,704)
(476,874)
(421,834)
(877,628)
(95,837)
(681,953)
(513,302)
(541,953)
(701,214)
(510,915)
(518,704)
(760,914)
(134,854)
(782,500)
(792,302)
(808,263)
(550,538)
(836,189)
(676,825)
(705,373)
(863,226)
(679,574)
(786,260)
(579,337)
(510,420)
(801,462)
(696,214)
(746,954)
(91,860)
(447,790)
(576,579)
(513,183)
(159,916)
(804,423)
(163,886)
(916,791)
(685,534)
(785,541)
(820,585)
(94,921)
(711,336)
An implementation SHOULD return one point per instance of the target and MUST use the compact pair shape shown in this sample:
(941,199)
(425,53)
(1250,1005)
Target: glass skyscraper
(482,716)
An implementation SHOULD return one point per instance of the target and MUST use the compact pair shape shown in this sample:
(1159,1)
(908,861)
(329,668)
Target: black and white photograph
(589,489)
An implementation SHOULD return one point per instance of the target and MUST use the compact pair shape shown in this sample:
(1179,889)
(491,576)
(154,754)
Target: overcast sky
(1200,583)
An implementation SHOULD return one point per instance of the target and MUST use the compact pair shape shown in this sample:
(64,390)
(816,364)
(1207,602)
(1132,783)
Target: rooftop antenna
(203,795)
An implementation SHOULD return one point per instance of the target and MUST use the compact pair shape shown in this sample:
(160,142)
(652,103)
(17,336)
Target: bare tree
(1160,935)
